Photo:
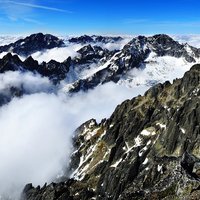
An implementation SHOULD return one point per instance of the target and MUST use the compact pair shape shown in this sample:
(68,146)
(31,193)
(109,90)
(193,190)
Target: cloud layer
(193,40)
(35,141)
(58,54)
(29,82)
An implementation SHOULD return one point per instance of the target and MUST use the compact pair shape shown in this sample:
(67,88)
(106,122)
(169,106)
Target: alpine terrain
(148,148)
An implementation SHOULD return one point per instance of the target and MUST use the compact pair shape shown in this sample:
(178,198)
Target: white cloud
(35,141)
(156,70)
(115,45)
(24,10)
(100,102)
(5,40)
(58,54)
(31,83)
(62,53)
(32,21)
(193,40)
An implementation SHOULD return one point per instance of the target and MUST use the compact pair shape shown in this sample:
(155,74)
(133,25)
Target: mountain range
(141,61)
(149,147)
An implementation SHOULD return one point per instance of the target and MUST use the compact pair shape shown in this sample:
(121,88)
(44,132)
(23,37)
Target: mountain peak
(162,36)
(33,43)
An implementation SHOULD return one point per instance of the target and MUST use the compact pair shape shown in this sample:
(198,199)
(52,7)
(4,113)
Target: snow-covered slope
(156,70)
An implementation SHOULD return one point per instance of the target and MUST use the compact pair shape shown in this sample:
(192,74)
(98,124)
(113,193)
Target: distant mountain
(85,39)
(55,71)
(139,53)
(142,61)
(32,43)
(147,149)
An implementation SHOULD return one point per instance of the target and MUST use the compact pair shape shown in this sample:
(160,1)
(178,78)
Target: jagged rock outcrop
(10,63)
(32,44)
(148,149)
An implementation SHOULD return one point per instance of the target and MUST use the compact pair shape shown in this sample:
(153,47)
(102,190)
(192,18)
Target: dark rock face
(82,39)
(33,43)
(165,45)
(89,56)
(52,192)
(94,39)
(54,70)
(148,149)
(10,63)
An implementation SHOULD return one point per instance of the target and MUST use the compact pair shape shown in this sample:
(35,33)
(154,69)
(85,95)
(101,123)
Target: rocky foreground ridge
(148,149)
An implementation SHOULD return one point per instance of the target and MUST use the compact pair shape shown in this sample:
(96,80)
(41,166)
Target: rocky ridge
(147,149)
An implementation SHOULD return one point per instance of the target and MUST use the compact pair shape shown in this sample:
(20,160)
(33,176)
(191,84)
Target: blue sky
(100,16)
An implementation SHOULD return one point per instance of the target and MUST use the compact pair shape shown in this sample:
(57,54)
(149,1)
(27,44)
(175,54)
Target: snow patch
(142,151)
(182,130)
(161,125)
(116,163)
(195,91)
(145,161)
(147,168)
(111,125)
(149,142)
(138,141)
(90,134)
(156,70)
(159,168)
(146,132)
